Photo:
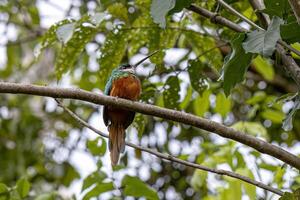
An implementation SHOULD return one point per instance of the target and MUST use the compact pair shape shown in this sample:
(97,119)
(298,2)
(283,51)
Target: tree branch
(289,63)
(263,18)
(235,12)
(295,4)
(175,159)
(178,116)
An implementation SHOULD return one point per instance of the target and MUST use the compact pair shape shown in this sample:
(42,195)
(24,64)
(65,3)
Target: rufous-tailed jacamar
(123,83)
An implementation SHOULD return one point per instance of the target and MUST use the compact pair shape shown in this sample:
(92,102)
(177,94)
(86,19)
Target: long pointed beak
(138,63)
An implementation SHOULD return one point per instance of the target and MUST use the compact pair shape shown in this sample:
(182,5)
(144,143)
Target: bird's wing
(130,119)
(107,92)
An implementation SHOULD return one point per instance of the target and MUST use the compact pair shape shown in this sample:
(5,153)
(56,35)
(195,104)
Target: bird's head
(127,68)
(131,68)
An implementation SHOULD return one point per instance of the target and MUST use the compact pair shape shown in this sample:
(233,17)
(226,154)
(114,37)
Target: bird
(122,83)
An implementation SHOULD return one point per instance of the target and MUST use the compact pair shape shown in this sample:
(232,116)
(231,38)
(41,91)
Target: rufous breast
(128,87)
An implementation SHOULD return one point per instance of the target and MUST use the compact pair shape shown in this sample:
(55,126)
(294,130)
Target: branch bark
(289,63)
(263,18)
(182,117)
(175,159)
(295,4)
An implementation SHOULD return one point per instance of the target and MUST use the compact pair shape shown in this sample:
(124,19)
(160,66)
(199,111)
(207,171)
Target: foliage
(202,68)
(264,42)
(235,66)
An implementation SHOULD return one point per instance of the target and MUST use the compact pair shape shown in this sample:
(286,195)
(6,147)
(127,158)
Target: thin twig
(238,14)
(177,116)
(175,159)
(235,12)
(289,63)
(295,4)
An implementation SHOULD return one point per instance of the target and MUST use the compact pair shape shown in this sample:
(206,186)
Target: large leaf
(198,80)
(264,42)
(278,8)
(223,104)
(291,196)
(290,32)
(95,177)
(264,67)
(50,36)
(274,115)
(159,10)
(288,121)
(98,190)
(95,148)
(158,40)
(171,93)
(112,53)
(201,104)
(252,128)
(180,5)
(137,188)
(118,10)
(23,187)
(84,31)
(199,179)
(139,123)
(236,65)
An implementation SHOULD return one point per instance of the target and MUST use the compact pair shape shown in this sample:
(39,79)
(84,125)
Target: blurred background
(48,42)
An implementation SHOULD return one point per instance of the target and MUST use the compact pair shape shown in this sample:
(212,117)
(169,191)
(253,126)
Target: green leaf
(118,10)
(234,190)
(291,196)
(198,179)
(290,32)
(155,43)
(140,122)
(273,115)
(199,81)
(258,96)
(187,99)
(180,5)
(3,188)
(137,188)
(159,10)
(158,40)
(223,104)
(171,93)
(69,175)
(278,8)
(112,53)
(278,176)
(95,148)
(84,31)
(252,128)
(236,64)
(34,15)
(4,192)
(249,188)
(201,104)
(23,187)
(264,67)
(287,196)
(50,37)
(297,47)
(95,177)
(98,190)
(264,42)
(287,124)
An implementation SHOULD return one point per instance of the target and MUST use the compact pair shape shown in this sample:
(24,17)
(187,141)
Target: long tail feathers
(116,142)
